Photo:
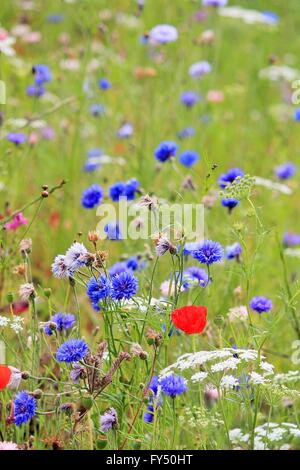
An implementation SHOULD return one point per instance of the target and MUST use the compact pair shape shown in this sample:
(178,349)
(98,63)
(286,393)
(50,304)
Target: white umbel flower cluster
(267,436)
(224,366)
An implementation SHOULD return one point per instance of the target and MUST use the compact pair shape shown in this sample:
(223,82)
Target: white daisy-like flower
(267,367)
(4,321)
(6,43)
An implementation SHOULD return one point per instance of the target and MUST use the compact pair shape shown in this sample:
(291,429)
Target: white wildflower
(228,382)
(4,321)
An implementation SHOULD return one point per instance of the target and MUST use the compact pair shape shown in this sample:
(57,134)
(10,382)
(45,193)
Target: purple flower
(112,230)
(233,251)
(197,275)
(186,132)
(165,150)
(118,268)
(188,158)
(189,98)
(97,109)
(297,115)
(63,321)
(214,3)
(35,90)
(209,252)
(76,373)
(286,171)
(92,196)
(199,69)
(229,177)
(291,239)
(17,138)
(42,74)
(163,34)
(173,385)
(125,131)
(109,420)
(261,304)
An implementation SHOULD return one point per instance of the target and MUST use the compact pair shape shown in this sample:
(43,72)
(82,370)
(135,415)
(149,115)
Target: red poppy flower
(190,319)
(5,375)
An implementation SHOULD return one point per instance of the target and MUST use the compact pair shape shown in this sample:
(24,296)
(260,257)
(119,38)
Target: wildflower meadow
(150,230)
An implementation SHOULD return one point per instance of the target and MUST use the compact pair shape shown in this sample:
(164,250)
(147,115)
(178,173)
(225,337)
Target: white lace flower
(199,376)
(257,379)
(228,382)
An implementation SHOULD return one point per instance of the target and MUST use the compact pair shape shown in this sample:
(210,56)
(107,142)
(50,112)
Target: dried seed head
(20,269)
(25,245)
(27,291)
(93,236)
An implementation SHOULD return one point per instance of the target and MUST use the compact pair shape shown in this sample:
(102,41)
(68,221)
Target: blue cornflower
(173,385)
(209,252)
(132,263)
(92,196)
(286,171)
(93,159)
(233,251)
(199,69)
(214,3)
(17,138)
(153,401)
(291,239)
(197,275)
(35,90)
(104,84)
(98,289)
(297,114)
(42,74)
(271,17)
(189,98)
(261,304)
(166,150)
(55,18)
(112,231)
(149,414)
(72,350)
(24,408)
(189,247)
(97,109)
(163,33)
(116,191)
(229,177)
(63,321)
(230,203)
(188,158)
(186,132)
(76,256)
(130,188)
(125,131)
(117,268)
(124,286)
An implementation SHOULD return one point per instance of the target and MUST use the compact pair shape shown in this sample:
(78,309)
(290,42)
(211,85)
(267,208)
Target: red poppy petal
(190,319)
(5,375)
